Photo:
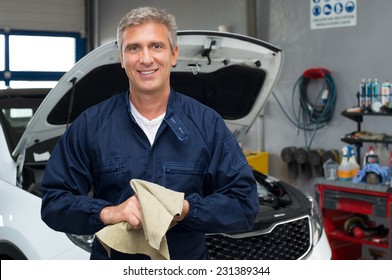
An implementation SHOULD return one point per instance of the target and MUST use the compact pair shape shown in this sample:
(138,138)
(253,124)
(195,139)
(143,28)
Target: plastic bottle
(371,156)
(362,94)
(385,92)
(354,166)
(369,93)
(330,169)
(376,91)
(344,169)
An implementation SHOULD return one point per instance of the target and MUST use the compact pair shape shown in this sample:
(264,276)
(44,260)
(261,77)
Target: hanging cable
(312,116)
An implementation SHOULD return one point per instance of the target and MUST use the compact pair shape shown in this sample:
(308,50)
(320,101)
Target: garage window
(34,59)
(2,61)
(2,50)
(41,53)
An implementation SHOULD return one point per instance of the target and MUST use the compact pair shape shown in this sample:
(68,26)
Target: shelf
(352,141)
(358,116)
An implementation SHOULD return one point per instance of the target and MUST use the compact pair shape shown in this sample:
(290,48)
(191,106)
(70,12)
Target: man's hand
(185,211)
(129,211)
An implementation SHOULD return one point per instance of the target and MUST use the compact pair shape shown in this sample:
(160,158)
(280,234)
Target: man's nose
(146,57)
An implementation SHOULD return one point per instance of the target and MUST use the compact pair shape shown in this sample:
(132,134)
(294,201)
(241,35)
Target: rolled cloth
(158,206)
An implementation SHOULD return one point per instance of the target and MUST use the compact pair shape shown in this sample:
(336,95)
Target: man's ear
(175,53)
(121,60)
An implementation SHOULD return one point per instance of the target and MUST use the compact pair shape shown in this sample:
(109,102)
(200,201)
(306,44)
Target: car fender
(10,251)
(22,228)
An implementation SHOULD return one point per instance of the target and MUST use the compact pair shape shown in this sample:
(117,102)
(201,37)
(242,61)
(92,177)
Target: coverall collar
(171,118)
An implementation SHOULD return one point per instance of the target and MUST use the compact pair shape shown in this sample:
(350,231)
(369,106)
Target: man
(152,133)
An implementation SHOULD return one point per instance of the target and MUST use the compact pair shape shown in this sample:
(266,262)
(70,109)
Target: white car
(232,73)
(23,235)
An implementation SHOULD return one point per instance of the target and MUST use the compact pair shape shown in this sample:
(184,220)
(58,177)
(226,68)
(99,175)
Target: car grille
(287,241)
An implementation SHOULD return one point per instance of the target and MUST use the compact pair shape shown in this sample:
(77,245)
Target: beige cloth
(158,206)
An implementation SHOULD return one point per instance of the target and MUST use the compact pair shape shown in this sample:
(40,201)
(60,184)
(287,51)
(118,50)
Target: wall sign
(332,13)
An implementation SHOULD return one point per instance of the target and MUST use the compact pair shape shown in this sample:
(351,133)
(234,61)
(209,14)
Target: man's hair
(145,15)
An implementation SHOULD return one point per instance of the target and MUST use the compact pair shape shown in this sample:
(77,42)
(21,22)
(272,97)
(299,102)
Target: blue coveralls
(194,152)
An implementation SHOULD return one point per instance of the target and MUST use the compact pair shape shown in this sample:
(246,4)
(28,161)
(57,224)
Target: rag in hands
(158,205)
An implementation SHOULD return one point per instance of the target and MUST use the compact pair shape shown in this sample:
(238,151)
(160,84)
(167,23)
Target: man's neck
(149,106)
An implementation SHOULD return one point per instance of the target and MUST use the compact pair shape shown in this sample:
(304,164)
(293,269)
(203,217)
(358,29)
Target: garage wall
(43,15)
(236,15)
(351,53)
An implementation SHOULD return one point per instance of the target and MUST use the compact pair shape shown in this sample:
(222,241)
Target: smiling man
(153,133)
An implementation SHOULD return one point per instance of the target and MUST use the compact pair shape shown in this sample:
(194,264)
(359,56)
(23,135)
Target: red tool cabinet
(340,202)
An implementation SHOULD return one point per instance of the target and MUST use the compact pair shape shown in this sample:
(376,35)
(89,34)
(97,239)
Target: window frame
(7,75)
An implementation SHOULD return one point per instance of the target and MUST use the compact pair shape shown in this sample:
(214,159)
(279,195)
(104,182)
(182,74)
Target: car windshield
(17,106)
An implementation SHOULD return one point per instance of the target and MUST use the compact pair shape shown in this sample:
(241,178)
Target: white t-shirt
(150,127)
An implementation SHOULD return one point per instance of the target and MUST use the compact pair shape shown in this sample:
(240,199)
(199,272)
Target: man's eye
(157,46)
(133,48)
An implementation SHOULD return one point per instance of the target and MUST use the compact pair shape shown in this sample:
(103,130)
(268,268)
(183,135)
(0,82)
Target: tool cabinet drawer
(353,202)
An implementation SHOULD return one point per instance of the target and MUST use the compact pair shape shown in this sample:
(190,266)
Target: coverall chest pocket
(108,175)
(184,176)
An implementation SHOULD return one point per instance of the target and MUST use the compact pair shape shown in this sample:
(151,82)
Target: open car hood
(232,73)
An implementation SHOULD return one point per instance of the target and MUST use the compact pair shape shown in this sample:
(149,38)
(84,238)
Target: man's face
(147,58)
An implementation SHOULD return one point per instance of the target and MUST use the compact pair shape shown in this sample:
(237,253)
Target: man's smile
(147,72)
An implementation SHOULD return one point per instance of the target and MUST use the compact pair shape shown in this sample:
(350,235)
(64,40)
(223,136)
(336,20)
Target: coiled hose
(312,116)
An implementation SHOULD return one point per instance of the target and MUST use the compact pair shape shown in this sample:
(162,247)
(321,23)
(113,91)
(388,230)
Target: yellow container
(258,160)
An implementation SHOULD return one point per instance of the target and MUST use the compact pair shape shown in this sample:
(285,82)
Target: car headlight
(83,241)
(316,221)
